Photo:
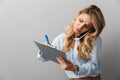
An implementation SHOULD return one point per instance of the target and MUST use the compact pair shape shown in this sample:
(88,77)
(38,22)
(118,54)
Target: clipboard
(50,53)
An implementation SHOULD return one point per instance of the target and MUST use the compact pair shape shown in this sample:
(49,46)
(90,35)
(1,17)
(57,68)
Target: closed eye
(80,20)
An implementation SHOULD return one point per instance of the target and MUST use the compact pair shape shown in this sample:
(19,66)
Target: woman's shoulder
(99,40)
(60,36)
(58,41)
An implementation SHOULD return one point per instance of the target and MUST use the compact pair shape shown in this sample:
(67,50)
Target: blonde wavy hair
(87,42)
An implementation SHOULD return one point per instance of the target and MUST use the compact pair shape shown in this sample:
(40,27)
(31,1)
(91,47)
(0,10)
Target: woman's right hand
(47,44)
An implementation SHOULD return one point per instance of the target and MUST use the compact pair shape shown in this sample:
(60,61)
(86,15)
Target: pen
(47,39)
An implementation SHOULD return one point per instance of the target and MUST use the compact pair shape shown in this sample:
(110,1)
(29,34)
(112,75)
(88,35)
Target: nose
(80,25)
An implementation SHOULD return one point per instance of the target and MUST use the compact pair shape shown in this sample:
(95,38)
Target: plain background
(22,21)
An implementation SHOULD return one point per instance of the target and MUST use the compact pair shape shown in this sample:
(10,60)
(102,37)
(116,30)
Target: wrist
(75,68)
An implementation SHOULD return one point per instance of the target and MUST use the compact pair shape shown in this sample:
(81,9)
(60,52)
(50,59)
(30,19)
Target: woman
(82,44)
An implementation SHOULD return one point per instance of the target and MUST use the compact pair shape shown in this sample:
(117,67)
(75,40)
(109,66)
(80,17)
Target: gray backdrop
(22,21)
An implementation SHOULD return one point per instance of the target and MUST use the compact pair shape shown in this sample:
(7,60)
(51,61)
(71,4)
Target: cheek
(83,30)
(74,25)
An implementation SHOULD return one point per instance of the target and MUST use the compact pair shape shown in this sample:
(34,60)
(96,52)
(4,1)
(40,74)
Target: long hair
(87,42)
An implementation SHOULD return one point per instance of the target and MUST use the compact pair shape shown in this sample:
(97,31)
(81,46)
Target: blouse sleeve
(41,57)
(93,65)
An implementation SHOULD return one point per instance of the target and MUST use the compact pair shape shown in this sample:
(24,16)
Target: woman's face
(82,24)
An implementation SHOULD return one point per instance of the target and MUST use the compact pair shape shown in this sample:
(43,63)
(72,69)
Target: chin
(76,32)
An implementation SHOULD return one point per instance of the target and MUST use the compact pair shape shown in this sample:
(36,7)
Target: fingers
(65,65)
(61,60)
(69,62)
(46,43)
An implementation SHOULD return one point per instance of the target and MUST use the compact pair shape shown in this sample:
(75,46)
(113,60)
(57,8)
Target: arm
(92,65)
(85,68)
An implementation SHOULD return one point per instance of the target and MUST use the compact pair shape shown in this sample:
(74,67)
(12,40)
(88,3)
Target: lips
(77,29)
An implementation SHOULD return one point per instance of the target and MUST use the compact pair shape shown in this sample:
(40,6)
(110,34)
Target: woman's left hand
(66,65)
